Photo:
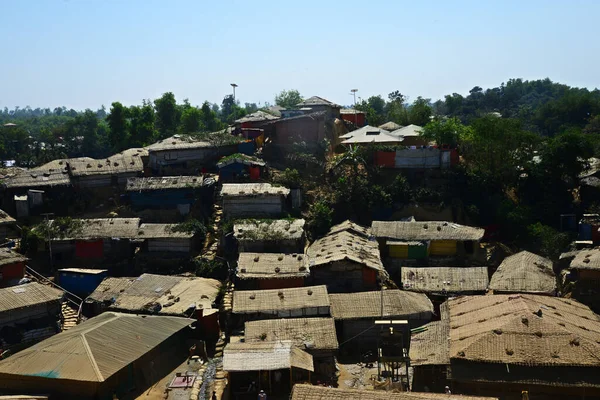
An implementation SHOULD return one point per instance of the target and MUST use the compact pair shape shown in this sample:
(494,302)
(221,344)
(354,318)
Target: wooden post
(270,388)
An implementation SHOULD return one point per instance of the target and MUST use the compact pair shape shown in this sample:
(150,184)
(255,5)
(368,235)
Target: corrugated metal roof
(94,350)
(149,293)
(306,333)
(425,230)
(27,295)
(273,300)
(271,265)
(265,356)
(252,189)
(396,303)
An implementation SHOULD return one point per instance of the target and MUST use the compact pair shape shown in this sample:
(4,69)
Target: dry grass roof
(306,333)
(586,259)
(101,228)
(162,231)
(30,294)
(429,345)
(274,300)
(448,279)
(167,295)
(309,392)
(271,266)
(128,161)
(523,329)
(94,350)
(396,303)
(390,126)
(54,173)
(269,229)
(345,245)
(168,182)
(253,189)
(8,256)
(265,356)
(6,219)
(425,230)
(317,101)
(352,227)
(524,272)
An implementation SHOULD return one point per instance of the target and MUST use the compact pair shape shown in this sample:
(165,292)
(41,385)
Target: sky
(88,53)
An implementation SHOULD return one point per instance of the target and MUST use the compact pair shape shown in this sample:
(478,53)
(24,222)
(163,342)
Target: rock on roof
(429,344)
(273,300)
(524,272)
(309,392)
(168,182)
(162,231)
(390,126)
(6,219)
(271,266)
(370,134)
(30,294)
(396,303)
(317,101)
(9,256)
(257,116)
(94,350)
(306,333)
(54,173)
(586,259)
(523,329)
(127,161)
(252,189)
(342,246)
(274,229)
(448,279)
(425,230)
(149,293)
(265,356)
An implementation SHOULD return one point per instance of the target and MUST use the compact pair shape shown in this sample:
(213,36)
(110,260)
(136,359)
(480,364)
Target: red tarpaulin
(254,173)
(385,159)
(89,249)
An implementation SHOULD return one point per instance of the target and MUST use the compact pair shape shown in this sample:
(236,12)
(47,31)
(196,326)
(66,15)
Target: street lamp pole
(234,85)
(355,117)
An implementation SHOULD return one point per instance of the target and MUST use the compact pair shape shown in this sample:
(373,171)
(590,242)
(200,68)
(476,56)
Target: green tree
(445,131)
(191,120)
(142,121)
(210,120)
(118,135)
(420,112)
(288,98)
(167,115)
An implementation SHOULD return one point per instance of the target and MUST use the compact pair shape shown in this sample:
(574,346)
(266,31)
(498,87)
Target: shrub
(289,178)
(320,217)
(547,240)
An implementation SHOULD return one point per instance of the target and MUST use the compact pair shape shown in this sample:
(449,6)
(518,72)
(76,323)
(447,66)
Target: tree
(167,115)
(445,131)
(210,120)
(142,124)
(191,120)
(420,112)
(118,135)
(88,123)
(288,98)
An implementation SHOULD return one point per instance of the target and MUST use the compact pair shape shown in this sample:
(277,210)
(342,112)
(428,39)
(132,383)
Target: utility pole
(355,117)
(47,216)
(234,85)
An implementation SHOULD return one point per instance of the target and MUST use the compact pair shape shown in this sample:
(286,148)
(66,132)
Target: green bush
(548,241)
(216,269)
(289,178)
(320,217)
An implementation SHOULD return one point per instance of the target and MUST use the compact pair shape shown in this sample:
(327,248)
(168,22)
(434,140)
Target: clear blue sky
(86,53)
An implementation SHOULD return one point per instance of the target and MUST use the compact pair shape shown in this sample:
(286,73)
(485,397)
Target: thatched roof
(396,303)
(429,344)
(274,229)
(586,259)
(127,161)
(342,246)
(9,256)
(425,230)
(168,182)
(162,231)
(95,350)
(317,101)
(445,279)
(54,173)
(28,295)
(271,266)
(306,333)
(265,356)
(524,272)
(6,219)
(253,189)
(352,227)
(257,116)
(523,329)
(309,392)
(273,300)
(149,293)
(390,126)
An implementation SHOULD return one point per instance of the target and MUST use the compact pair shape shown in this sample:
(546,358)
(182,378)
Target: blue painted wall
(228,171)
(162,198)
(79,283)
